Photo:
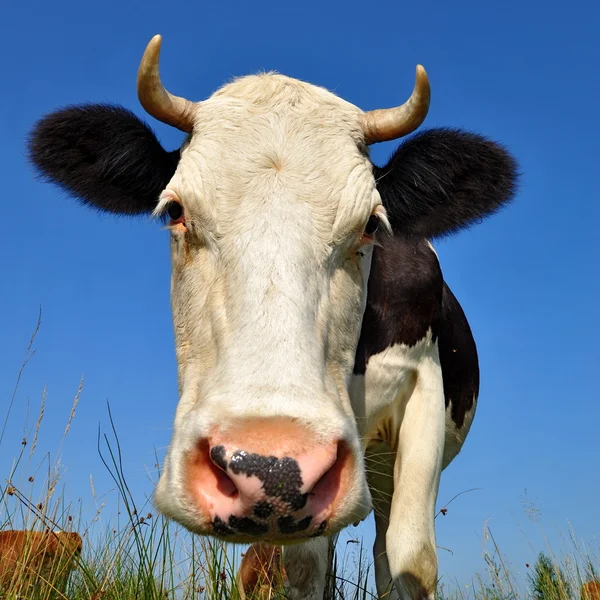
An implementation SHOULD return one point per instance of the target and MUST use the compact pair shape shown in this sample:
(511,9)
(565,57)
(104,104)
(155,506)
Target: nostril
(218,467)
(224,483)
(328,485)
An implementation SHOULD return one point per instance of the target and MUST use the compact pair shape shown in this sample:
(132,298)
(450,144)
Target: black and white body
(314,332)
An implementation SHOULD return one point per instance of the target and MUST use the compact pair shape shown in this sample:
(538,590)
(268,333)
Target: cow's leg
(306,569)
(410,538)
(379,463)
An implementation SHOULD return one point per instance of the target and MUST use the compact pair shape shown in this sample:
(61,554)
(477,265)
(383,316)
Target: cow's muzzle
(270,480)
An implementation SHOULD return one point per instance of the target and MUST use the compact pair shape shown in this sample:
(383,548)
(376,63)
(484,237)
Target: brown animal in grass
(261,572)
(590,590)
(35,558)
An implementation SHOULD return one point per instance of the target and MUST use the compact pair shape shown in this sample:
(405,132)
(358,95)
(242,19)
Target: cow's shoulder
(404,298)
(409,308)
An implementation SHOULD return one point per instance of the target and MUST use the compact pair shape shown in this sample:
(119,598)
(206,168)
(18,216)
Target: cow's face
(273,212)
(273,215)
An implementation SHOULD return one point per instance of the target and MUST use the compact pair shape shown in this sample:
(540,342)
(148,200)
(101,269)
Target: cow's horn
(391,123)
(155,99)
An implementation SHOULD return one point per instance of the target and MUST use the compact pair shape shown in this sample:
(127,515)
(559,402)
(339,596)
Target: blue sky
(520,73)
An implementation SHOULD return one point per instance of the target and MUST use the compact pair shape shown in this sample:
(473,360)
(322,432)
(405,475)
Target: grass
(140,555)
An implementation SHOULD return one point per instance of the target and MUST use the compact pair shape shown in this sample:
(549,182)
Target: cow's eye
(175,211)
(372,225)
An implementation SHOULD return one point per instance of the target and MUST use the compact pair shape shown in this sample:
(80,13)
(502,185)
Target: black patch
(262,510)
(220,527)
(403,298)
(407,296)
(288,525)
(281,477)
(436,183)
(247,525)
(442,180)
(104,156)
(458,358)
(217,455)
(281,482)
(320,529)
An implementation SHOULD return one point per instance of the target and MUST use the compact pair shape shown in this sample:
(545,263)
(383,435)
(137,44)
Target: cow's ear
(442,180)
(104,156)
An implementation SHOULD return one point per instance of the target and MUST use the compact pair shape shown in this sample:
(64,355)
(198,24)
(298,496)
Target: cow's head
(273,209)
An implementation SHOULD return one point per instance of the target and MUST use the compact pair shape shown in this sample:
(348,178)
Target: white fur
(268,293)
(455,437)
(408,437)
(401,404)
(268,286)
(306,567)
(432,248)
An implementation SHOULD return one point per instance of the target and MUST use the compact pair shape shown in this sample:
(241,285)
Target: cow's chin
(350,503)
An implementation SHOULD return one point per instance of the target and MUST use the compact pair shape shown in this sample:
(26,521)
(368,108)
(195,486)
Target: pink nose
(267,479)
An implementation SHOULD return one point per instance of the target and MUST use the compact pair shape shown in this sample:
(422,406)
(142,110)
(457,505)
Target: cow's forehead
(266,137)
(292,110)
(272,90)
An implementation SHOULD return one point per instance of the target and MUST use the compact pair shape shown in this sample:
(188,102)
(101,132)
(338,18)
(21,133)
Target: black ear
(441,180)
(104,156)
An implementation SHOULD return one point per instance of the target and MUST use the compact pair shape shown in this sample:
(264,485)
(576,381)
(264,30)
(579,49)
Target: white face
(270,263)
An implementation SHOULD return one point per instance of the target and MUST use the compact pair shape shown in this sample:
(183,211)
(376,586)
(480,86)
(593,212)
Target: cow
(261,572)
(30,559)
(325,368)
(590,590)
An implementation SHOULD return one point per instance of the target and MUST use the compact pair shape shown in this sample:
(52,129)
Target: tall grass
(140,555)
